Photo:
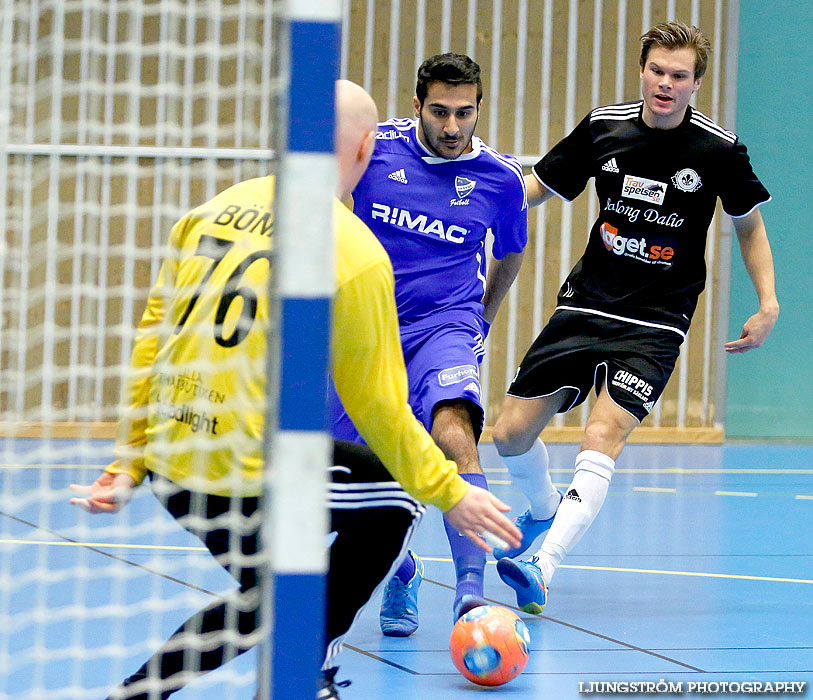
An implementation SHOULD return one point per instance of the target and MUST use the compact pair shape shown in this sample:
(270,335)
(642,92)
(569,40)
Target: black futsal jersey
(657,190)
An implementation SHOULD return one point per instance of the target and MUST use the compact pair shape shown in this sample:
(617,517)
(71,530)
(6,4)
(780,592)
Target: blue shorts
(443,364)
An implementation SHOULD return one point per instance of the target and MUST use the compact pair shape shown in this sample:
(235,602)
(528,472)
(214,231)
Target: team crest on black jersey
(686,180)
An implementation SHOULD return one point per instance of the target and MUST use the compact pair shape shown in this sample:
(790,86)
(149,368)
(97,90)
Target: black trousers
(373,520)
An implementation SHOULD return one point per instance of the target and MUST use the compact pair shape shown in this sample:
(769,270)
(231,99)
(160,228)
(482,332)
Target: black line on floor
(582,629)
(383,660)
(110,556)
(592,649)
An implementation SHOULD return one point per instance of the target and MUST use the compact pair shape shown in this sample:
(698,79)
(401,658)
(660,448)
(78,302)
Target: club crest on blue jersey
(464,186)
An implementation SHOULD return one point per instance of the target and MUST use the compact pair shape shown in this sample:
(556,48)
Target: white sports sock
(529,472)
(579,508)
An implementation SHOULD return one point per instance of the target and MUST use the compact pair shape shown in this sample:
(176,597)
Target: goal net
(115,120)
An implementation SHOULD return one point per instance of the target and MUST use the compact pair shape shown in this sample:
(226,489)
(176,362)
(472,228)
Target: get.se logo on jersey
(636,248)
(644,189)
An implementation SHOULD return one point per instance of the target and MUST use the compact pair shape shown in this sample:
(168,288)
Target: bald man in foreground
(371,381)
(204,472)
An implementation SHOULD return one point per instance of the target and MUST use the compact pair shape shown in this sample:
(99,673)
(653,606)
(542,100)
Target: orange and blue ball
(490,645)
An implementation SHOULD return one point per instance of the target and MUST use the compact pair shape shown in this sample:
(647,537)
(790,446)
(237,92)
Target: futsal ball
(490,645)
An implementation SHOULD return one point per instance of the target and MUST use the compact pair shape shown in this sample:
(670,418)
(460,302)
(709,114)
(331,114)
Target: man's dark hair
(450,68)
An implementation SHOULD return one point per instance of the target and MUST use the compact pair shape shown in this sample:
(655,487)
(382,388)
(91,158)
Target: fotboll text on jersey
(418,222)
(635,246)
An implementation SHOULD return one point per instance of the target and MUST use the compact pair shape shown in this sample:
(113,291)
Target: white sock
(529,472)
(579,508)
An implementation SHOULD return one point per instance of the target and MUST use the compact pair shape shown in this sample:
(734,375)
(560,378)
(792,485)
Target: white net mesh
(115,120)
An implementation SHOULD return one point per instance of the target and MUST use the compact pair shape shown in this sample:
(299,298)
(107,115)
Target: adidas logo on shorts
(398,176)
(610,166)
(573,495)
(472,386)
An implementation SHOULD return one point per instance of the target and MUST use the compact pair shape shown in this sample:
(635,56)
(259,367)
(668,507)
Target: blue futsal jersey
(431,215)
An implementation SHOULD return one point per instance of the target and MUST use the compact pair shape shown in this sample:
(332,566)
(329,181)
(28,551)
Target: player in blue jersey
(430,193)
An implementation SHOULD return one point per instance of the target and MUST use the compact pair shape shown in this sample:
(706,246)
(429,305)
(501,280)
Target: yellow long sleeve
(369,371)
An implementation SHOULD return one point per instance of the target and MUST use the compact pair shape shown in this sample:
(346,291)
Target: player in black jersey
(659,166)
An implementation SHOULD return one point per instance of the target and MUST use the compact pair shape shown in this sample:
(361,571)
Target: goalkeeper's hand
(108,494)
(480,511)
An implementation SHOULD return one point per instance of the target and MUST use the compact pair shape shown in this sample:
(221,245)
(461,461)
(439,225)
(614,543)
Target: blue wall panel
(770,389)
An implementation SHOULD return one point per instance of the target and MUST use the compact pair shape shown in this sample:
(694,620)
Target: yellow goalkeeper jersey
(195,398)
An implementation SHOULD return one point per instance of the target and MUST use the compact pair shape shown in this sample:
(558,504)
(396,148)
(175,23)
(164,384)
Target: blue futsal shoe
(526,579)
(531,529)
(466,603)
(399,608)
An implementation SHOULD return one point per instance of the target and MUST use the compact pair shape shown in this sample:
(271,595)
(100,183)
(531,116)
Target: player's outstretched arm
(537,192)
(108,494)
(480,512)
(756,254)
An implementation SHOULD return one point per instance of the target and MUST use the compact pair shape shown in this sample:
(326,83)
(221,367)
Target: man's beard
(428,142)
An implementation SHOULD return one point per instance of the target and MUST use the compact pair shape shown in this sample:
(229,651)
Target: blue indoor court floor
(699,568)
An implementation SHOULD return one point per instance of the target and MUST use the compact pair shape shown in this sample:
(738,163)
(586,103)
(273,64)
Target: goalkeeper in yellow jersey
(193,421)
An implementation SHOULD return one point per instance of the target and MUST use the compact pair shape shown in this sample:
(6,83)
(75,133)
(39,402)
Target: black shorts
(576,351)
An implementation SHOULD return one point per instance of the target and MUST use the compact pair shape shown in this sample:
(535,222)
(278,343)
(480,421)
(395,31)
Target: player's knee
(604,436)
(511,439)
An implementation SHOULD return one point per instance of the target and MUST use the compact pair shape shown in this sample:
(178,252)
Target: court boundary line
(94,546)
(375,657)
(667,572)
(121,560)
(369,654)
(695,574)
(598,635)
(112,545)
(624,646)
